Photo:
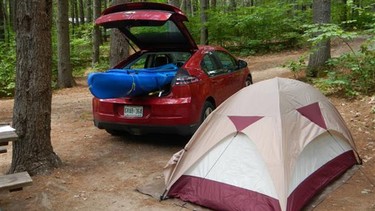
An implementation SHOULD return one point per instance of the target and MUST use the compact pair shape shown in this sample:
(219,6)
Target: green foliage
(7,68)
(102,65)
(264,28)
(363,16)
(248,30)
(297,67)
(352,14)
(269,26)
(81,51)
(333,84)
(317,33)
(355,71)
(352,73)
(81,48)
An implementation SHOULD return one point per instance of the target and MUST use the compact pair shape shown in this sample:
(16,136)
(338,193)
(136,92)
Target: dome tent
(271,146)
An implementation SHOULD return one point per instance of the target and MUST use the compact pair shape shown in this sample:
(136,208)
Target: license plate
(133,111)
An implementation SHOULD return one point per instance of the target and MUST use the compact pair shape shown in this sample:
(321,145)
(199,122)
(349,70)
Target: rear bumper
(173,116)
(184,130)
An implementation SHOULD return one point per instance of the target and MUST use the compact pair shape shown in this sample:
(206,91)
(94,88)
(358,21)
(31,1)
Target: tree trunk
(81,12)
(103,31)
(76,14)
(213,4)
(33,150)
(72,16)
(89,11)
(232,5)
(322,52)
(204,20)
(343,11)
(119,47)
(12,18)
(64,67)
(96,34)
(2,22)
(247,3)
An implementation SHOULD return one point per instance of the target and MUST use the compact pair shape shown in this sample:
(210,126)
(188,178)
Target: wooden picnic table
(16,181)
(7,134)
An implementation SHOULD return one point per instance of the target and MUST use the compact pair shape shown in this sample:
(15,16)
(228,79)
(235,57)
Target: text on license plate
(133,111)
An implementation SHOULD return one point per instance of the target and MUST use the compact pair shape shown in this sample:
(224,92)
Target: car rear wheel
(248,81)
(208,108)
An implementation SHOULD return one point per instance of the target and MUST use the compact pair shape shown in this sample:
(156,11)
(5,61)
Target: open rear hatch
(150,26)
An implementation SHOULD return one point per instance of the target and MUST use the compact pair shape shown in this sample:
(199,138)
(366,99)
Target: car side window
(139,64)
(227,61)
(209,65)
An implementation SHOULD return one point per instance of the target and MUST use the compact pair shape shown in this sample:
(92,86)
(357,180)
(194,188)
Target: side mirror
(242,64)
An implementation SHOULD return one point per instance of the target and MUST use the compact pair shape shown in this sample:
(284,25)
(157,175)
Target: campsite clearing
(101,172)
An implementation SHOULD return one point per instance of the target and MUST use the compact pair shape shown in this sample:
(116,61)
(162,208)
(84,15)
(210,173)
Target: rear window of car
(167,32)
(155,59)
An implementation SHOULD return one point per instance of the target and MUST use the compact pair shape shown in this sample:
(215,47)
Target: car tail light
(183,78)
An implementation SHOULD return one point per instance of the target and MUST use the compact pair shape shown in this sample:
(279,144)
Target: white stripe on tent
(317,153)
(235,161)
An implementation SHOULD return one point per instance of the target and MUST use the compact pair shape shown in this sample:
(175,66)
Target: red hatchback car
(206,77)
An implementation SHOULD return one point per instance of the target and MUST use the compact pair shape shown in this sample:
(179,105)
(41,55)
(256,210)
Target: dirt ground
(102,172)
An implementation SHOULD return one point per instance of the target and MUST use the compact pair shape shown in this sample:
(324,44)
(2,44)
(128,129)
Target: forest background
(245,27)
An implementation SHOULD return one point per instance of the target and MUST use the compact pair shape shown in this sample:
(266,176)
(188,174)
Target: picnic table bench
(16,181)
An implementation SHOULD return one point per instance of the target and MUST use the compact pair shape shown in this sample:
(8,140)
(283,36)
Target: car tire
(114,132)
(248,81)
(208,108)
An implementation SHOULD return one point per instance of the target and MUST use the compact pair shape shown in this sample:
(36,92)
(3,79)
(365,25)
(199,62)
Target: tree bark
(64,67)
(96,34)
(76,16)
(12,4)
(343,11)
(232,5)
(213,4)
(72,16)
(81,12)
(204,20)
(119,47)
(89,11)
(33,150)
(322,52)
(2,22)
(103,31)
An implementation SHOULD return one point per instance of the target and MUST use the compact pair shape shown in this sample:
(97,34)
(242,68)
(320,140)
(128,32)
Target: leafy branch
(352,73)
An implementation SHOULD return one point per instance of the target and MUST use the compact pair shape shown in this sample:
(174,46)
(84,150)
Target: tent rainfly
(271,146)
